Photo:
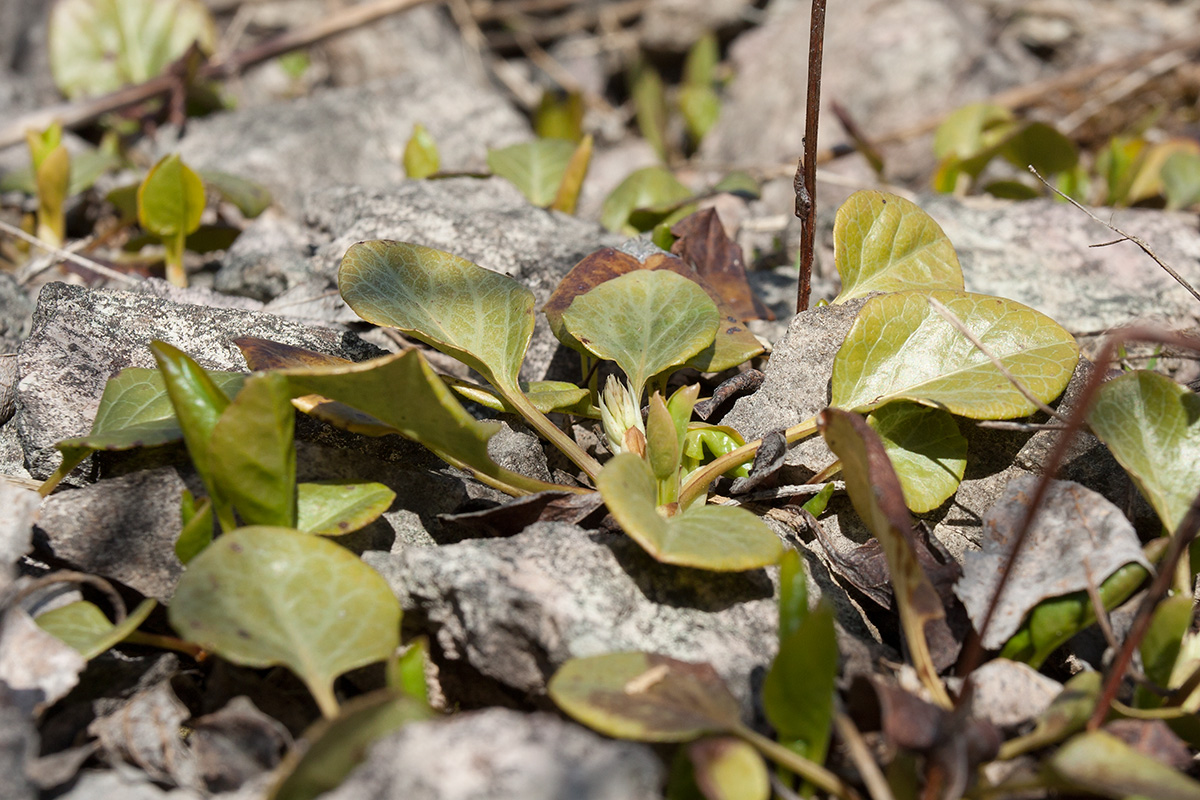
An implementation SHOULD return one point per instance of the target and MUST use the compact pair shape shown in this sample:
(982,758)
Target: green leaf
(877,497)
(98,46)
(421,157)
(536,168)
(263,596)
(650,105)
(799,688)
(198,402)
(197,532)
(1181,180)
(1041,146)
(566,198)
(647,321)
(718,538)
(406,672)
(171,198)
(701,107)
(1055,620)
(649,187)
(1161,644)
(559,117)
(251,198)
(364,401)
(1152,426)
(644,697)
(331,748)
(900,348)
(926,449)
(663,441)
(482,318)
(742,184)
(331,509)
(700,65)
(1100,763)
(135,411)
(793,594)
(727,768)
(546,396)
(884,243)
(972,130)
(252,452)
(84,626)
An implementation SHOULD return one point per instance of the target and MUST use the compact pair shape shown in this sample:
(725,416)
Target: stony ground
(502,614)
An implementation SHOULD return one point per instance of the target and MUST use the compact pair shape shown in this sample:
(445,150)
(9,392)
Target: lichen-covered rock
(504,614)
(352,135)
(503,755)
(83,337)
(487,222)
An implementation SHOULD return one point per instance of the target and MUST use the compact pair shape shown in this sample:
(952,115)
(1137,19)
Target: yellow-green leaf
(884,243)
(900,348)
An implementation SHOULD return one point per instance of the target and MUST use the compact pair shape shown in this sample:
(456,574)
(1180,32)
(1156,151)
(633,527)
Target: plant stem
(810,771)
(167,643)
(806,174)
(326,701)
(698,482)
(542,424)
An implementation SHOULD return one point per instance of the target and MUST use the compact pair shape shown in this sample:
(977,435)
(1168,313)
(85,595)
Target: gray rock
(1038,252)
(796,385)
(503,755)
(16,311)
(124,529)
(674,25)
(18,747)
(485,221)
(890,65)
(16,527)
(81,338)
(1008,693)
(504,614)
(352,135)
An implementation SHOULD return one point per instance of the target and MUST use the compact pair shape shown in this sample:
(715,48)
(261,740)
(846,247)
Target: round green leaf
(644,697)
(263,596)
(645,320)
(651,187)
(536,168)
(421,157)
(926,449)
(171,198)
(972,130)
(718,538)
(480,317)
(884,243)
(899,347)
(1041,146)
(98,46)
(331,509)
(1152,426)
(84,626)
(729,769)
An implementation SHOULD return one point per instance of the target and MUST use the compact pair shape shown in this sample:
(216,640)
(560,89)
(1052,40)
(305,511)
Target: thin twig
(1123,88)
(67,255)
(1020,427)
(1124,236)
(806,173)
(958,325)
(973,651)
(860,754)
(73,115)
(1100,611)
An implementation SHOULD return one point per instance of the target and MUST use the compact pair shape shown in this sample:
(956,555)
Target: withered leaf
(514,516)
(702,243)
